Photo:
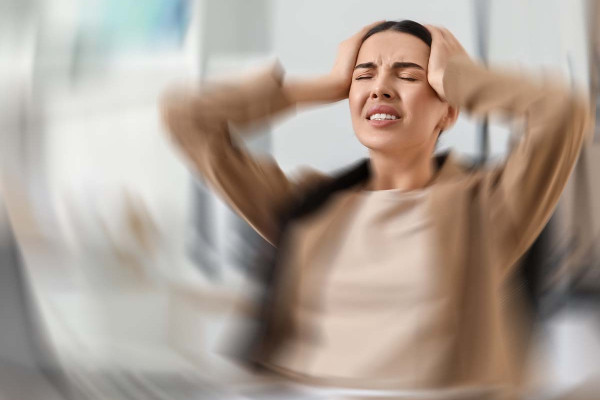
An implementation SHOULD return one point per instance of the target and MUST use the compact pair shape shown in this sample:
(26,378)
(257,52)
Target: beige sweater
(390,289)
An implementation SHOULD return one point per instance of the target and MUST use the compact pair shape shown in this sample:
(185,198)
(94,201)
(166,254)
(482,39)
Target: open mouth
(382,117)
(382,113)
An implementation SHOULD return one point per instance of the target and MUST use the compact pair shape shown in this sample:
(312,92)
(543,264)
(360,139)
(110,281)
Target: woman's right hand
(335,85)
(340,77)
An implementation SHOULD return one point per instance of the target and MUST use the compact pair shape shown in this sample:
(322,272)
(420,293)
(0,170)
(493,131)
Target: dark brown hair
(405,26)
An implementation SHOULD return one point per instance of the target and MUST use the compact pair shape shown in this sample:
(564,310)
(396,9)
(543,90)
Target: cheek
(423,101)
(356,100)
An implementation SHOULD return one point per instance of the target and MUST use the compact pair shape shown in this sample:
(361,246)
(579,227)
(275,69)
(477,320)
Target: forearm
(198,122)
(482,91)
(257,98)
(523,191)
(318,90)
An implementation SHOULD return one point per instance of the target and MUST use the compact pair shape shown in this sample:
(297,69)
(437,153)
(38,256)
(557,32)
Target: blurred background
(120,272)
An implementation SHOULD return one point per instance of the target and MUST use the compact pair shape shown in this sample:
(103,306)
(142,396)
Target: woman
(394,274)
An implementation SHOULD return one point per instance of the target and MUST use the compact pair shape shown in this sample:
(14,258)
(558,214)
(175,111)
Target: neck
(406,172)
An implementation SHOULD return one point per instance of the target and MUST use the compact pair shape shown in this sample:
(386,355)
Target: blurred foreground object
(28,367)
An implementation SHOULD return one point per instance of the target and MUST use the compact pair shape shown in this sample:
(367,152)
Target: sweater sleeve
(522,193)
(199,124)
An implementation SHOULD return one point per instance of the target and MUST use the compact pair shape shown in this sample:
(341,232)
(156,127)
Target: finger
(367,28)
(434,31)
(445,33)
(450,38)
(373,25)
(448,35)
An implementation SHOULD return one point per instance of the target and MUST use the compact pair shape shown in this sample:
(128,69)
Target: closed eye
(362,77)
(405,78)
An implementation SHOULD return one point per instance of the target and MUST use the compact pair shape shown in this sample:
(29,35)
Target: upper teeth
(382,116)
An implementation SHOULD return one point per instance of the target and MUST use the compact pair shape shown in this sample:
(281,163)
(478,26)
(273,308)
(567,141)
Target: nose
(382,91)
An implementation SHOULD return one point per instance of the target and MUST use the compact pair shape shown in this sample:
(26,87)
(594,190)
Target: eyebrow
(396,65)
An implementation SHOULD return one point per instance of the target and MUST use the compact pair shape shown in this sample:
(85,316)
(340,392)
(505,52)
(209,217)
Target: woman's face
(393,107)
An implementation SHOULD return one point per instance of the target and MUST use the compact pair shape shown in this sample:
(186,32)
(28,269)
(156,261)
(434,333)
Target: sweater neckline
(446,168)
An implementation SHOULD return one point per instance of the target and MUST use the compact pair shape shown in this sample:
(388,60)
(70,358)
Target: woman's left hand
(444,46)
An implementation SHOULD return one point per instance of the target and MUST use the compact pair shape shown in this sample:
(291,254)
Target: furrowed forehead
(392,47)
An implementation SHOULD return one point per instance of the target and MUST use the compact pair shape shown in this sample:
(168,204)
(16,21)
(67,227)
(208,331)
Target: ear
(450,118)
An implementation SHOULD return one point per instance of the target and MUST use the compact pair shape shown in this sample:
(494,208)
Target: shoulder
(306,178)
(466,172)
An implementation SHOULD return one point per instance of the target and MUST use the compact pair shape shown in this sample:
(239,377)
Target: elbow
(170,112)
(178,115)
(579,121)
(583,119)
(185,122)
(573,114)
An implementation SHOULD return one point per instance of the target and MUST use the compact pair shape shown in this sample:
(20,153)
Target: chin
(393,142)
(382,141)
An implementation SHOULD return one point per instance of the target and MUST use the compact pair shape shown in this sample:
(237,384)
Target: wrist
(337,88)
(321,89)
